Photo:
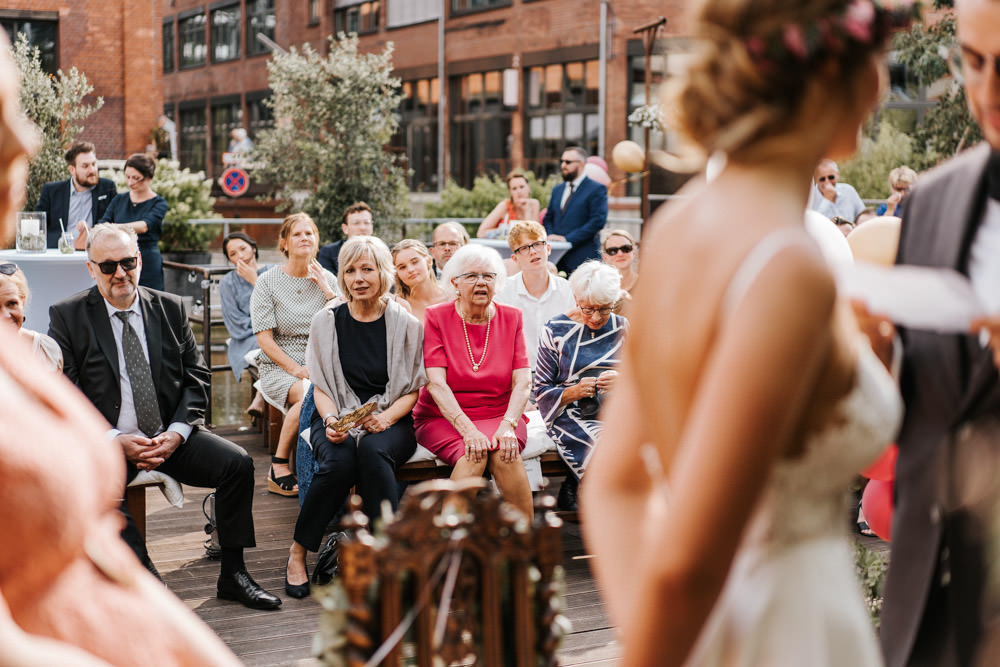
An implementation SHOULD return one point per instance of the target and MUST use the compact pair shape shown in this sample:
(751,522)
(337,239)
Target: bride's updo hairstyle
(756,62)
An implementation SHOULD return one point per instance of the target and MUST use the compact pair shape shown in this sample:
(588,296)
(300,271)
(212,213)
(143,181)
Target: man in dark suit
(941,592)
(577,211)
(356,220)
(131,352)
(80,201)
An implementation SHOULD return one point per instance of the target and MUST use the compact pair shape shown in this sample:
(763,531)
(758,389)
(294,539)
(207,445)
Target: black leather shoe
(241,587)
(297,591)
(566,500)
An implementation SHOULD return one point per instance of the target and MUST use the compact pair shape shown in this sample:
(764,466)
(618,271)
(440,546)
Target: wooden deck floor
(283,637)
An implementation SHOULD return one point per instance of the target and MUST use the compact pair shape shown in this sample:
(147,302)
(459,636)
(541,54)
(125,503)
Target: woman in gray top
(283,303)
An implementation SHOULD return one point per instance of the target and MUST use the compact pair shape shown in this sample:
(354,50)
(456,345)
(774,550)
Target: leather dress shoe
(241,587)
(566,500)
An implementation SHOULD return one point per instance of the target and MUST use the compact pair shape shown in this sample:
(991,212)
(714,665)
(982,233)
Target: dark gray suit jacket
(54,200)
(81,326)
(952,395)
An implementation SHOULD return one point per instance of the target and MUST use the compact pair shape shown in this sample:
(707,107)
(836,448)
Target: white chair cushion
(170,487)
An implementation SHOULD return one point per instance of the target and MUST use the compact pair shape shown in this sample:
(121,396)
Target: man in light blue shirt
(835,199)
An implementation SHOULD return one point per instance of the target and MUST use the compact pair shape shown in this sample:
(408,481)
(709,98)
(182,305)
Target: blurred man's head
(571,163)
(447,238)
(978,24)
(357,220)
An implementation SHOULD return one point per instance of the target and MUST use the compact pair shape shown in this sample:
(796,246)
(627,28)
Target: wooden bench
(421,471)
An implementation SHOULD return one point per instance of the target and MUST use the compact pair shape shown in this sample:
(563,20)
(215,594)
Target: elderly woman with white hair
(578,357)
(471,413)
(367,349)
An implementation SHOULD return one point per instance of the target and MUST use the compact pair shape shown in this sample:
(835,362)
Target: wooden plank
(284,637)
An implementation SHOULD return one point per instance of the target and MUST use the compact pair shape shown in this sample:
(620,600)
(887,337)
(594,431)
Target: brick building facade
(116,44)
(522,75)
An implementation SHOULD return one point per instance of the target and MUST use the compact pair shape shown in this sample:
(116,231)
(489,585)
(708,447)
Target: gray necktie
(147,410)
(568,197)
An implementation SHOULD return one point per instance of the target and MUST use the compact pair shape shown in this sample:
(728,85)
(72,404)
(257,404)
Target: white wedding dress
(792,596)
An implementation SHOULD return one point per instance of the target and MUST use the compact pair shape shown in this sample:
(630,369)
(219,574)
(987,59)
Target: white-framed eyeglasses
(472,278)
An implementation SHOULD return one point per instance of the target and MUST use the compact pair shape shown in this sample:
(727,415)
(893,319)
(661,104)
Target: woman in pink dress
(471,412)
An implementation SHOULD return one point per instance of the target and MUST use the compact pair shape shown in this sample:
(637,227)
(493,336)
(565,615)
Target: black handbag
(590,406)
(327,561)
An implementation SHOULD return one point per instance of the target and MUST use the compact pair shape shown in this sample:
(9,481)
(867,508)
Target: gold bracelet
(512,422)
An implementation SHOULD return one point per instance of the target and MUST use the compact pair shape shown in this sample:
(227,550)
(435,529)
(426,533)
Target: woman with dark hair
(143,210)
(235,289)
(748,398)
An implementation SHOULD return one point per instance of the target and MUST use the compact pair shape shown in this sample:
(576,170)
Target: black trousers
(205,460)
(370,463)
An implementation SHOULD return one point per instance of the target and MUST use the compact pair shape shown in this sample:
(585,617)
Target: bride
(748,394)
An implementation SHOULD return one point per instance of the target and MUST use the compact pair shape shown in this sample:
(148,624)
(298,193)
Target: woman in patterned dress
(578,355)
(282,306)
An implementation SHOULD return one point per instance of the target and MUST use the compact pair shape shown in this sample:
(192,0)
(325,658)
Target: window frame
(237,26)
(183,20)
(254,12)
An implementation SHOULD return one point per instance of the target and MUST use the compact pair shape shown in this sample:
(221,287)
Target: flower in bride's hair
(795,40)
(859,20)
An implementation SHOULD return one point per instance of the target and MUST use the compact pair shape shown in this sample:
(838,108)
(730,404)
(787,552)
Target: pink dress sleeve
(434,352)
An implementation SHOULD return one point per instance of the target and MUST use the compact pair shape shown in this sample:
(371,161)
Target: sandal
(286,485)
(865,530)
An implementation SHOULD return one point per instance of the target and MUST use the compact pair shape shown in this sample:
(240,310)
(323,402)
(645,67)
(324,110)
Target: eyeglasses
(588,311)
(624,249)
(967,64)
(8,269)
(446,244)
(473,278)
(525,249)
(831,178)
(563,161)
(109,267)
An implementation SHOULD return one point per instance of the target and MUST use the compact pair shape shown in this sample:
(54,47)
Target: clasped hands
(591,386)
(504,440)
(376,422)
(149,453)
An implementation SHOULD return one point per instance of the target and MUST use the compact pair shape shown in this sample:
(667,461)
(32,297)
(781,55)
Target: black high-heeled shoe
(286,485)
(297,591)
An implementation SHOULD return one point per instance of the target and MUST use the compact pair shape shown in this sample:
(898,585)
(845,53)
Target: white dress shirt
(557,299)
(127,420)
(576,186)
(984,259)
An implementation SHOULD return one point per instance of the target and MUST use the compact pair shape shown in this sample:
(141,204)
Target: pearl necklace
(468,345)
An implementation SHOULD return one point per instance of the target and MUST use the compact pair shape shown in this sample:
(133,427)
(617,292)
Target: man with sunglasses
(130,351)
(941,595)
(833,198)
(577,211)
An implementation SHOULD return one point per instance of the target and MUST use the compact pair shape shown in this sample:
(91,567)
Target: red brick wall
(116,44)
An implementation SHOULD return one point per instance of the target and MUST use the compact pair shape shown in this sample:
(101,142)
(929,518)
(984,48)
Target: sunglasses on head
(622,248)
(109,267)
(8,269)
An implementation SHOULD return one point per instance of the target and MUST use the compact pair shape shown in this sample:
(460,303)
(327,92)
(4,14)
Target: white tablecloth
(52,276)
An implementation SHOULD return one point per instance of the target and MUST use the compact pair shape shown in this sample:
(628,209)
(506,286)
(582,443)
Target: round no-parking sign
(235,181)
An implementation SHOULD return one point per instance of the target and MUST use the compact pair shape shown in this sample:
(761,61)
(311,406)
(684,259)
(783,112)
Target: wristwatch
(327,416)
(512,422)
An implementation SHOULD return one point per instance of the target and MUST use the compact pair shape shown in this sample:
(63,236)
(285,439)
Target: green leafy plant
(189,196)
(871,567)
(486,192)
(334,116)
(868,171)
(56,105)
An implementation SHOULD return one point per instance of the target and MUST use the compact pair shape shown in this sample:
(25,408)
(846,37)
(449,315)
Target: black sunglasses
(109,267)
(831,178)
(8,269)
(614,251)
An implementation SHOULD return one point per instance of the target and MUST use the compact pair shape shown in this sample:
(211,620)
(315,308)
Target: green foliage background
(55,104)
(486,192)
(868,171)
(334,116)
(189,195)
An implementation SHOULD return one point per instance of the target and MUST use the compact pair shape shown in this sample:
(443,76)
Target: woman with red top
(471,412)
(520,205)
